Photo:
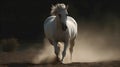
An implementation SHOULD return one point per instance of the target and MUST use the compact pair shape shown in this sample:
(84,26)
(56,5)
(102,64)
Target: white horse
(60,28)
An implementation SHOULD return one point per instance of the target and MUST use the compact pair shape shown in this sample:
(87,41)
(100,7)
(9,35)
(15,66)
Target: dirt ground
(95,47)
(93,64)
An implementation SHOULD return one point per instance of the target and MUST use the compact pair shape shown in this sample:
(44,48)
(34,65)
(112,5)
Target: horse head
(60,11)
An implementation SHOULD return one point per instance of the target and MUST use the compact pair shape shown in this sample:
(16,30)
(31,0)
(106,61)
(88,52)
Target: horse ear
(67,6)
(52,6)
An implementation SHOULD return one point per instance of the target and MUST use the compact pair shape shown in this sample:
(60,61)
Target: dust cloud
(94,43)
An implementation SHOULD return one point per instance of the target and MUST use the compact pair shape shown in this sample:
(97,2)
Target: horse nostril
(64,27)
(66,14)
(59,15)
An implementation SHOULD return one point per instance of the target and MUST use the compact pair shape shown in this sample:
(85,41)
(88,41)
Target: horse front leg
(64,50)
(56,50)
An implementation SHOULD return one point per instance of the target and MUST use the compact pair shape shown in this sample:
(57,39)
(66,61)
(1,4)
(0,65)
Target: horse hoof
(60,62)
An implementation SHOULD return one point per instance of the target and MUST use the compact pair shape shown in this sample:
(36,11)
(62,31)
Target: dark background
(21,29)
(24,19)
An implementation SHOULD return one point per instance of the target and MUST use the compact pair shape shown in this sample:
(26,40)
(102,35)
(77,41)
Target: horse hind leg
(72,42)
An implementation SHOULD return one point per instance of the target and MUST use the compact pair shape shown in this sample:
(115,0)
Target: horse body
(53,33)
(61,28)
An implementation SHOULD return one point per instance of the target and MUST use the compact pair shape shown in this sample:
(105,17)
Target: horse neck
(58,23)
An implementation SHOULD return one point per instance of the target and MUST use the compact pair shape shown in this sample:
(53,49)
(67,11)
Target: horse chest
(60,35)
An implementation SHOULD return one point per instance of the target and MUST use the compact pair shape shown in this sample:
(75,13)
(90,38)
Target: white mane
(57,7)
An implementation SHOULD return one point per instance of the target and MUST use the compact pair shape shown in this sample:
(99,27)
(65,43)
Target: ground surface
(92,64)
(93,46)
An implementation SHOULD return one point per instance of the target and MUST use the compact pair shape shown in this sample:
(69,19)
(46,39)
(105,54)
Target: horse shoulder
(72,20)
(49,19)
(72,24)
(49,27)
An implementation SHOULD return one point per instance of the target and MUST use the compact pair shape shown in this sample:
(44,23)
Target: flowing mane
(56,8)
